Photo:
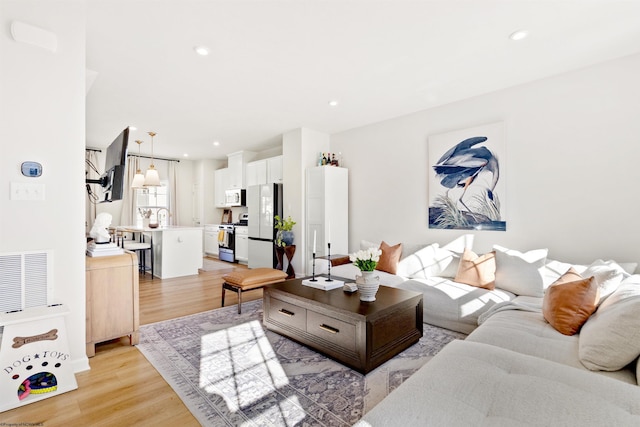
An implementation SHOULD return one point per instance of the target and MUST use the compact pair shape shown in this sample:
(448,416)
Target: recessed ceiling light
(133,128)
(333,103)
(216,143)
(201,50)
(519,35)
(185,155)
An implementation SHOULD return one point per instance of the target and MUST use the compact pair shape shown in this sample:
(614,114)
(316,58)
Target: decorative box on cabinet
(112,299)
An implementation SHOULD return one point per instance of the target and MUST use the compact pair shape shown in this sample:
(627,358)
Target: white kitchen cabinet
(266,171)
(327,207)
(237,164)
(211,239)
(256,173)
(242,243)
(274,170)
(221,178)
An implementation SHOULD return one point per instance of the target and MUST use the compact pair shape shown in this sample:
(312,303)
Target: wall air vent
(25,280)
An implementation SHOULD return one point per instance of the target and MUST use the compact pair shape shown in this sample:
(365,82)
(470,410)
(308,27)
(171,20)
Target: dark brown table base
(287,251)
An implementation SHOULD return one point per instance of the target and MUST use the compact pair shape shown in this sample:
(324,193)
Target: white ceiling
(275,65)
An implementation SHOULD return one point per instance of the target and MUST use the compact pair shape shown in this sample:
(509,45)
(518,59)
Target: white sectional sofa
(515,367)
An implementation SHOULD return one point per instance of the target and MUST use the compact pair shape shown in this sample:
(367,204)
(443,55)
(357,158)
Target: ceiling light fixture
(201,50)
(138,179)
(216,143)
(151,178)
(519,35)
(333,103)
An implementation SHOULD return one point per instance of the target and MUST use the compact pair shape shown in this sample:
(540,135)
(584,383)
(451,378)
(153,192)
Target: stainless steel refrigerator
(263,203)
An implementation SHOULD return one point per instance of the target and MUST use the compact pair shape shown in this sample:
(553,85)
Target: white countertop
(162,228)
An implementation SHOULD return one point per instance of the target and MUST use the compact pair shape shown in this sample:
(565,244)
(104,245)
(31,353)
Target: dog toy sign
(34,357)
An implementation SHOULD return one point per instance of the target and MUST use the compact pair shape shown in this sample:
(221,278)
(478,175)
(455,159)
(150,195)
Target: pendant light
(138,179)
(152,179)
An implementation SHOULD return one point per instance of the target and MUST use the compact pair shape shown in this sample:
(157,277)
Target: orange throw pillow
(478,271)
(390,257)
(569,301)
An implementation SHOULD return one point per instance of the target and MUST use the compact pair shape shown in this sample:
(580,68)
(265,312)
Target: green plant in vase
(284,235)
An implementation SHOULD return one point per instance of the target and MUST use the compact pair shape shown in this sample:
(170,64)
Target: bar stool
(140,247)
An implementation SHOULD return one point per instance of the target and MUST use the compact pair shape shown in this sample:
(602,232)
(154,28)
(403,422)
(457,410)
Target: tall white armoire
(327,211)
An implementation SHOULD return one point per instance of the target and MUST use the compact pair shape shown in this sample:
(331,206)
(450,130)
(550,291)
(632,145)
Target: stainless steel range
(227,240)
(227,243)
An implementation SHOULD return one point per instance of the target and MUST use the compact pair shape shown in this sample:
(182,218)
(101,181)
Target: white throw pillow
(456,248)
(554,269)
(428,262)
(608,275)
(629,267)
(365,244)
(610,339)
(520,273)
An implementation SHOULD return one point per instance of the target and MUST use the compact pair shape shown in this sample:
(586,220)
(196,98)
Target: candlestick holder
(329,268)
(313,271)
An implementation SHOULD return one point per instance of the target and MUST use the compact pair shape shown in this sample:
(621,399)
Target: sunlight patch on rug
(229,370)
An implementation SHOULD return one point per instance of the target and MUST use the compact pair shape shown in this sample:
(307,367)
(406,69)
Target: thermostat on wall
(31,169)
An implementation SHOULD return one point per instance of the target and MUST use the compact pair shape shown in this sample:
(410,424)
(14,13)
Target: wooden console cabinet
(112,299)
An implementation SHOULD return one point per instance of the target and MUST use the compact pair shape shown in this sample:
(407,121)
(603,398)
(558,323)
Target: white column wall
(299,150)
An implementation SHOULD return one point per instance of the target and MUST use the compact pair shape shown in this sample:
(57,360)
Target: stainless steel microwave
(235,197)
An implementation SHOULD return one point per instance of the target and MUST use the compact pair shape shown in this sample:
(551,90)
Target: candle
(314,241)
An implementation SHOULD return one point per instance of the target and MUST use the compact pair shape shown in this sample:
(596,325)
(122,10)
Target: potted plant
(284,235)
(367,261)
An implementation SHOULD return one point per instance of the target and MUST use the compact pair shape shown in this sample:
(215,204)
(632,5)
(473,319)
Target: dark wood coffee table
(361,335)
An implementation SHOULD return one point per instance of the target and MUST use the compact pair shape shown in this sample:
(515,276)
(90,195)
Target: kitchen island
(177,250)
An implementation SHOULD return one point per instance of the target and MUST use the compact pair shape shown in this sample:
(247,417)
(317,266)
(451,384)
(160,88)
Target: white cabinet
(221,180)
(177,251)
(274,170)
(211,238)
(267,171)
(256,173)
(237,165)
(242,243)
(327,207)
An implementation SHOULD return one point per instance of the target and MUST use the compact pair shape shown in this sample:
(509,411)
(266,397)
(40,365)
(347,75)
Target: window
(152,200)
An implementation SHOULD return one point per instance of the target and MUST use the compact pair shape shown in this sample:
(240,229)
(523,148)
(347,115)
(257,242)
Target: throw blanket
(508,305)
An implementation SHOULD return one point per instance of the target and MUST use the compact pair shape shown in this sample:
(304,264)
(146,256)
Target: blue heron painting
(468,172)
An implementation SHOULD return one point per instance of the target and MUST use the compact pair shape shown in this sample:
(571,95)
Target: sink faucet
(158,215)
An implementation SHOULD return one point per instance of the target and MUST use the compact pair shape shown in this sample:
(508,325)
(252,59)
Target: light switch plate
(27,191)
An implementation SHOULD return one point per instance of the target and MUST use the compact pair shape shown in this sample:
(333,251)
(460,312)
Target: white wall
(300,149)
(573,144)
(42,110)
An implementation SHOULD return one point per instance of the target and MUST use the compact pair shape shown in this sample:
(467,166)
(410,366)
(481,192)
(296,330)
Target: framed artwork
(467,179)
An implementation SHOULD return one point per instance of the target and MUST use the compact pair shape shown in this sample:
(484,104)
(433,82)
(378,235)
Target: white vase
(368,284)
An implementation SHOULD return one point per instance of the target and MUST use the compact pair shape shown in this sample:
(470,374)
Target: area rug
(230,371)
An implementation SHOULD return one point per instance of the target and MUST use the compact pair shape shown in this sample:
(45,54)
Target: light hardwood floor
(122,388)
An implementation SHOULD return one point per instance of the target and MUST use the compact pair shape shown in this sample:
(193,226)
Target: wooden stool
(245,280)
